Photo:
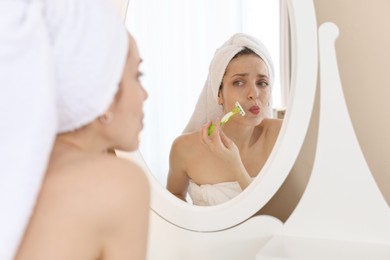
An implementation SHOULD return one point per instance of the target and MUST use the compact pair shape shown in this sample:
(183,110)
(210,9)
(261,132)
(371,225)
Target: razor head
(239,109)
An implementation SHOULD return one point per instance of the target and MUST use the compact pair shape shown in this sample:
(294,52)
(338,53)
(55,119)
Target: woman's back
(87,208)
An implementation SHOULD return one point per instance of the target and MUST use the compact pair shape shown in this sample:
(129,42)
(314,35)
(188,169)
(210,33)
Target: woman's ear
(106,118)
(220,98)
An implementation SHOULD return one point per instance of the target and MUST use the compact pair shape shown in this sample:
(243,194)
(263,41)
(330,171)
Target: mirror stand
(342,213)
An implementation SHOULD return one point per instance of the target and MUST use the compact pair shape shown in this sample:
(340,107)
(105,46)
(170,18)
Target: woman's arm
(178,179)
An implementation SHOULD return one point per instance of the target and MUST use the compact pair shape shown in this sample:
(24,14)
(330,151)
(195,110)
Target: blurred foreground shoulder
(121,177)
(125,208)
(111,170)
(97,204)
(96,175)
(108,184)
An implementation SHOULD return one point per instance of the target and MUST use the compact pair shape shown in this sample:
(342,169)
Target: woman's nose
(253,92)
(146,95)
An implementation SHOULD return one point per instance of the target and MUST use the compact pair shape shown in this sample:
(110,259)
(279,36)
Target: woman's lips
(254,110)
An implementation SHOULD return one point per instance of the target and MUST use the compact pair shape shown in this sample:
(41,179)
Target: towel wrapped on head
(61,63)
(89,53)
(207,107)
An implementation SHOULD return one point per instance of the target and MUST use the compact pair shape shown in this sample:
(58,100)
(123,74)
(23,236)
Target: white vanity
(342,213)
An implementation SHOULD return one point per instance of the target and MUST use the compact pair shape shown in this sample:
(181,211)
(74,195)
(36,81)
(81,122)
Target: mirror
(303,71)
(177,40)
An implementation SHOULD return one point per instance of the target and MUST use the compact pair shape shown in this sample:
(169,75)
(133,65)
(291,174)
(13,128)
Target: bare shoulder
(184,149)
(272,126)
(103,182)
(186,139)
(270,129)
(97,169)
(98,204)
(273,123)
(181,143)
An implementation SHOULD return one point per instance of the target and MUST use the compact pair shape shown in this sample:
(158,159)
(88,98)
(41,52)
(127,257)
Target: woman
(91,204)
(215,168)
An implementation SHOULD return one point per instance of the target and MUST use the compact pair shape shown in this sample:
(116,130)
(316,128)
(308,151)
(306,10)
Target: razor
(236,110)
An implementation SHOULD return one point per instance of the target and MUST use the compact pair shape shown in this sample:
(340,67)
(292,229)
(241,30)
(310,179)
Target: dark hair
(245,51)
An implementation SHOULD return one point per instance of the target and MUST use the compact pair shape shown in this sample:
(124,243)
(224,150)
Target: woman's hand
(226,151)
(219,143)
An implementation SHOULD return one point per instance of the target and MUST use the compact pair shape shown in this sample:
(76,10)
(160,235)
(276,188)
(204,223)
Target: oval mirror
(177,46)
(178,31)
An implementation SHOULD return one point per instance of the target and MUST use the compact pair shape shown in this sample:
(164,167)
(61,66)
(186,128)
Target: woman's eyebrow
(262,76)
(240,75)
(246,74)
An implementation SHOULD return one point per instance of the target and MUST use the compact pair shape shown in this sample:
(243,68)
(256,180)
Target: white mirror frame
(275,171)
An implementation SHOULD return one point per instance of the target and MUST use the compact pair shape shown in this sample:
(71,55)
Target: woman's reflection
(215,168)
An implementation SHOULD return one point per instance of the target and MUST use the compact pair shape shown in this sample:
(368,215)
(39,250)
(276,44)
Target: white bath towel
(60,66)
(213,194)
(207,107)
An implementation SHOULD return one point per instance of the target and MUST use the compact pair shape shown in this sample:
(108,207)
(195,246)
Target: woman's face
(127,108)
(246,80)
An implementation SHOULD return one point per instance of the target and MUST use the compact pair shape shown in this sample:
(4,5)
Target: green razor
(237,109)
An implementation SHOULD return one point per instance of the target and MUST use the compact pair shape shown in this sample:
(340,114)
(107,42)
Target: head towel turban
(207,107)
(61,62)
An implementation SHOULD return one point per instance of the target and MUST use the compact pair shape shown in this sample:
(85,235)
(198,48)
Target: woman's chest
(205,167)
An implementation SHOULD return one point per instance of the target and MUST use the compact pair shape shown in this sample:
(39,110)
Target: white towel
(60,66)
(207,107)
(87,48)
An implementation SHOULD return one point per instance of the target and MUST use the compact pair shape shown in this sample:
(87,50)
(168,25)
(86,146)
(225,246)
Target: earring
(106,118)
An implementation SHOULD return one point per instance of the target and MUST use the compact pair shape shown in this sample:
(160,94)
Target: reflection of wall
(285,200)
(363,58)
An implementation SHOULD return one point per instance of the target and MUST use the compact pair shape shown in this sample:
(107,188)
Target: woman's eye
(139,75)
(263,84)
(238,83)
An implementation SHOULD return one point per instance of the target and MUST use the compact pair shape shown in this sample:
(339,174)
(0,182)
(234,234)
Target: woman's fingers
(226,140)
(214,139)
(204,136)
